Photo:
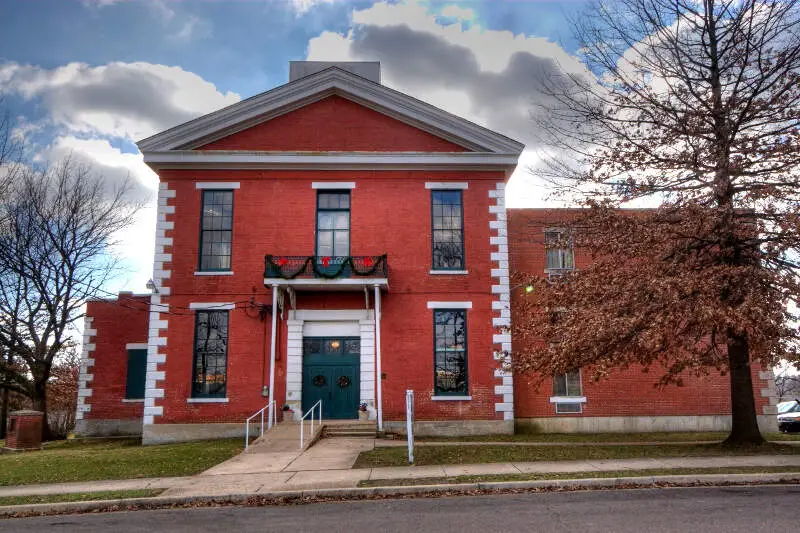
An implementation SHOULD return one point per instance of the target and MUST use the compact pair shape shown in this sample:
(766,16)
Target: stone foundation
(164,433)
(635,424)
(108,427)
(452,428)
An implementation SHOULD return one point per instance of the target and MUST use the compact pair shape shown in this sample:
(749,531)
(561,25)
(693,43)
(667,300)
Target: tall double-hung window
(447,230)
(333,224)
(216,230)
(450,352)
(209,376)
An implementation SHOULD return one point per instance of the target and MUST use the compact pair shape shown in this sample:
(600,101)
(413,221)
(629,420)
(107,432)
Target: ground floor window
(567,386)
(450,352)
(137,366)
(210,354)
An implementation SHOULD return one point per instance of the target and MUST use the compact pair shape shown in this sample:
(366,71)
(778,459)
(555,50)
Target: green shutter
(137,365)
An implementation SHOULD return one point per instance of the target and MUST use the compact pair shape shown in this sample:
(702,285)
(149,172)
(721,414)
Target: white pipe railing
(302,421)
(271,419)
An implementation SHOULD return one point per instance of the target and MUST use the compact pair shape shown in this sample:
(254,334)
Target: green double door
(331,374)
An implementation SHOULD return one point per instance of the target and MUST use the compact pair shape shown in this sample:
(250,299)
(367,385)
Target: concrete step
(363,429)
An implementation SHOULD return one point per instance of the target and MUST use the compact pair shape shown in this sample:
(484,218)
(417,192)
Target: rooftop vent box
(370,70)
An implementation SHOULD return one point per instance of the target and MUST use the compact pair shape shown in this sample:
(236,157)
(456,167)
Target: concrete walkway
(327,465)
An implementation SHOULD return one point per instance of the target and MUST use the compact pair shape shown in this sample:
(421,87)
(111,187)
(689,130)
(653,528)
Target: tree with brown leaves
(693,107)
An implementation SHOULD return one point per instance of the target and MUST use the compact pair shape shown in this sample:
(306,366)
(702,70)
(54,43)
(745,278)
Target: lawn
(64,461)
(603,437)
(80,496)
(489,478)
(455,455)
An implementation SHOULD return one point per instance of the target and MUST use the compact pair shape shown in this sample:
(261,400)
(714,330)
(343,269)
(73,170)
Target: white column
(378,384)
(272,350)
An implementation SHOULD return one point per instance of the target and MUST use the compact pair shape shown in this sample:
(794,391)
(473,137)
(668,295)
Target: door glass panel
(333,346)
(352,346)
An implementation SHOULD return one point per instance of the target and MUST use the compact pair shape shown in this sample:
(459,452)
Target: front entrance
(331,374)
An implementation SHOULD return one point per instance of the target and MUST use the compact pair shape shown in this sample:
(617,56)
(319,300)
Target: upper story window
(450,352)
(447,230)
(209,376)
(558,250)
(333,224)
(216,230)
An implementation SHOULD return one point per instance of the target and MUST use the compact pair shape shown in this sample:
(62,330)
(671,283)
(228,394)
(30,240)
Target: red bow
(368,261)
(282,261)
(326,261)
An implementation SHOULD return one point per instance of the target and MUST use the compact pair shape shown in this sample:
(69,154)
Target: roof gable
(333,124)
(258,109)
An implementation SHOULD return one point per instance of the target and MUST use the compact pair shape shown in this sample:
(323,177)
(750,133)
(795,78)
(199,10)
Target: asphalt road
(709,510)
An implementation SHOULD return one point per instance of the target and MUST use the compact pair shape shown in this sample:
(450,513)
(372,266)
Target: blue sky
(91,77)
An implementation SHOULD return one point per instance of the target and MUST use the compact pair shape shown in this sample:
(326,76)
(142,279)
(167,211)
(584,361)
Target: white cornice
(299,93)
(219,159)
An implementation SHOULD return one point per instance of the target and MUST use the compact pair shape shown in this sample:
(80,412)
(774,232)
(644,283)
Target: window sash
(136,370)
(450,359)
(447,230)
(210,361)
(558,258)
(333,224)
(216,230)
(568,384)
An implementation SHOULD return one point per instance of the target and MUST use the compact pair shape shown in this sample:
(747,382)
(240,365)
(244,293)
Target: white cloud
(302,6)
(491,77)
(458,12)
(129,100)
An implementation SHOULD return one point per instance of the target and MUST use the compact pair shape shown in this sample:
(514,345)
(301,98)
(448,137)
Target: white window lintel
(212,306)
(446,185)
(333,185)
(217,185)
(449,305)
(136,346)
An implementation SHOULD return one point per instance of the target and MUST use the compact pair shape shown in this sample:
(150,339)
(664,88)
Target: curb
(308,495)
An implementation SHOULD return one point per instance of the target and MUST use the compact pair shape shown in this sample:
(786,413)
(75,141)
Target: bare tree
(58,230)
(693,106)
(787,385)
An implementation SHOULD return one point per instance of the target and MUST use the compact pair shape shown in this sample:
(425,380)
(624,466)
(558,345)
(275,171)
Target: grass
(603,437)
(80,496)
(64,461)
(454,455)
(404,482)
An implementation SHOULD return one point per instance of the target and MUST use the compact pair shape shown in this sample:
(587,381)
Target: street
(769,508)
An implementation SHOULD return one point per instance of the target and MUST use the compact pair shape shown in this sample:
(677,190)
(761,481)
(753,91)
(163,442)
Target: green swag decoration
(317,266)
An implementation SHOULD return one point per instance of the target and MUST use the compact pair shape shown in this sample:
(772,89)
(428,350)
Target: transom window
(450,352)
(565,386)
(558,250)
(447,230)
(216,230)
(209,377)
(333,224)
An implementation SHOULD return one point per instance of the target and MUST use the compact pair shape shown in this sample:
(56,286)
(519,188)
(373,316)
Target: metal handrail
(310,412)
(271,420)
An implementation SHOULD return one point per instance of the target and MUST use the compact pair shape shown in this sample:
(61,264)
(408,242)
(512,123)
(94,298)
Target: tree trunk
(3,413)
(39,400)
(744,428)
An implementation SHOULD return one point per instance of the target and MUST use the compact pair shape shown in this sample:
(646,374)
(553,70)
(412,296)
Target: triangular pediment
(421,127)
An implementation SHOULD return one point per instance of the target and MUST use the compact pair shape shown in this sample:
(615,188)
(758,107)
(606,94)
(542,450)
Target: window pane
(342,221)
(447,230)
(568,408)
(210,353)
(573,384)
(342,243)
(560,385)
(553,258)
(450,354)
(325,221)
(216,234)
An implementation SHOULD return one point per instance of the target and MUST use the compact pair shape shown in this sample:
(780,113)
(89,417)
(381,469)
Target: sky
(89,78)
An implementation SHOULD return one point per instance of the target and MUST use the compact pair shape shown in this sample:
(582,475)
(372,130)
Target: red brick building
(336,240)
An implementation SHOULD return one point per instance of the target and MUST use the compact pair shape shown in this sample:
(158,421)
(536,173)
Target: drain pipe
(272,356)
(379,385)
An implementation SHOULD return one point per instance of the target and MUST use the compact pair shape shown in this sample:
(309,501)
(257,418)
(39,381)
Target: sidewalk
(324,466)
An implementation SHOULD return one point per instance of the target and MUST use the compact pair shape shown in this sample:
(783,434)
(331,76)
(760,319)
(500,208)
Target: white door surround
(323,322)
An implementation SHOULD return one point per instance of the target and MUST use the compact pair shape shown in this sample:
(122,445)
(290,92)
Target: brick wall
(626,392)
(334,124)
(117,322)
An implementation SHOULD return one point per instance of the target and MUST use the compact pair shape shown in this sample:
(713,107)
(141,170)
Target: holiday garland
(278,266)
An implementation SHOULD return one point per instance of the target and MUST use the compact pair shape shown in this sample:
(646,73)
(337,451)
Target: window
(450,352)
(137,365)
(558,250)
(333,224)
(210,354)
(568,386)
(447,230)
(216,230)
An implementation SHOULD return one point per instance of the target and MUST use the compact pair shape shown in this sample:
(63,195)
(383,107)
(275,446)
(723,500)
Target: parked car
(789,416)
